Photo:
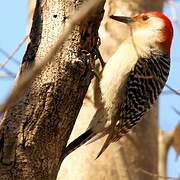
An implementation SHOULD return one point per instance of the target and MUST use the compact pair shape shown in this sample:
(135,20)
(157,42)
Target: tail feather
(95,131)
(111,135)
(99,135)
(106,144)
(88,137)
(82,139)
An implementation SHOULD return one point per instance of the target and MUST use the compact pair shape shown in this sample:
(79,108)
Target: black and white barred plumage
(144,85)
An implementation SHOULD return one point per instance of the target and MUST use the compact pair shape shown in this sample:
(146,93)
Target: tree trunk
(40,123)
(133,155)
(31,7)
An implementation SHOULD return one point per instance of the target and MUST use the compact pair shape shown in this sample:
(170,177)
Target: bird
(132,79)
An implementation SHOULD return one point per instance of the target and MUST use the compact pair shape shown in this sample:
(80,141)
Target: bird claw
(89,63)
(98,55)
(94,71)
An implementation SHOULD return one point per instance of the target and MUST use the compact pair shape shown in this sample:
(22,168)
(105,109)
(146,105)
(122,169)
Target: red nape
(168,30)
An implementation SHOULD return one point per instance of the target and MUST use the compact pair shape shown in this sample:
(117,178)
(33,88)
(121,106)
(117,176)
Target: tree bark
(40,123)
(135,154)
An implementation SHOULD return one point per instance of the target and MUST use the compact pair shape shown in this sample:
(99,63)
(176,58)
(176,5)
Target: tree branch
(165,140)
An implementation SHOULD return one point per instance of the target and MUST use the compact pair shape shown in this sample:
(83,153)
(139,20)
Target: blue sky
(13,18)
(168,118)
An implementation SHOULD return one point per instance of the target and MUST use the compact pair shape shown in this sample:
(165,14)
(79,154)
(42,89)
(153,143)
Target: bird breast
(115,75)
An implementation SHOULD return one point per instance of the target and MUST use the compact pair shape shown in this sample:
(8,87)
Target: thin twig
(8,72)
(176,111)
(165,140)
(156,175)
(172,89)
(26,80)
(5,76)
(5,53)
(169,92)
(14,52)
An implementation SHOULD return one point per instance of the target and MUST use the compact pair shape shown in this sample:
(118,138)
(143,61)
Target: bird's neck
(144,42)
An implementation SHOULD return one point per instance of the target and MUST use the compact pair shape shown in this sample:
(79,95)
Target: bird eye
(144,18)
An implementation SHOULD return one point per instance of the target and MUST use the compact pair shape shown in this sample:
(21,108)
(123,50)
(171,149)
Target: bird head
(150,28)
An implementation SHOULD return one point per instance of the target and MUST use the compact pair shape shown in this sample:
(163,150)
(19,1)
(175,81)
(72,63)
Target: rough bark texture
(40,123)
(123,160)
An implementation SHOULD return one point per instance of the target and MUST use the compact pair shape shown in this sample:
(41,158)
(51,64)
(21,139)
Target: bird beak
(123,19)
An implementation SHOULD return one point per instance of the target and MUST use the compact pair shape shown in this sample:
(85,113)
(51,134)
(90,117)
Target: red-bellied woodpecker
(132,79)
